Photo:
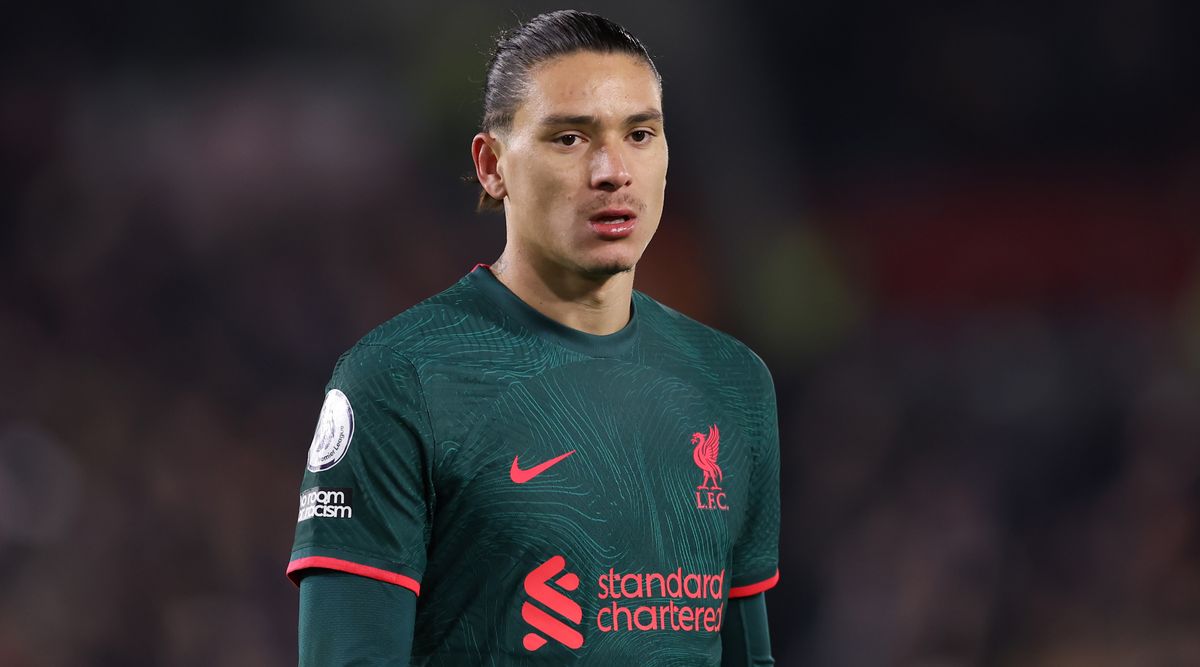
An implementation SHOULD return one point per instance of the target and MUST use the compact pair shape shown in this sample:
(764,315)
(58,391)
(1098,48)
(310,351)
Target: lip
(612,231)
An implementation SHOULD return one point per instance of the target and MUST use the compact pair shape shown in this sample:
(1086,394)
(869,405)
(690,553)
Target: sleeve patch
(326,503)
(335,428)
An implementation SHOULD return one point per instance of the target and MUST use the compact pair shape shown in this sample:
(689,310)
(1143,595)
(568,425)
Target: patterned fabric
(552,496)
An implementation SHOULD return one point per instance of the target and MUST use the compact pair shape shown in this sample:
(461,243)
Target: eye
(567,139)
(640,136)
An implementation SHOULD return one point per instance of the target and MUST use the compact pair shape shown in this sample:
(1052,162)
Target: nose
(609,170)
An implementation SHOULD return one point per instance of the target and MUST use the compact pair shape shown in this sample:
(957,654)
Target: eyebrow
(566,119)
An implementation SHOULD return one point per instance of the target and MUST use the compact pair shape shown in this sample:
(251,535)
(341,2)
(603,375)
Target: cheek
(663,161)
(657,192)
(551,187)
(653,173)
(530,176)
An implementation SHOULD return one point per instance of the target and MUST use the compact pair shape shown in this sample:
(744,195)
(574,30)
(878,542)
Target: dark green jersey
(551,496)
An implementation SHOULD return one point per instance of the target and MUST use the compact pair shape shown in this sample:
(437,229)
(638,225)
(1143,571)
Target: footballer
(541,465)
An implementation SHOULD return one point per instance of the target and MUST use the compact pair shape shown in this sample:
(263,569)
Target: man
(562,469)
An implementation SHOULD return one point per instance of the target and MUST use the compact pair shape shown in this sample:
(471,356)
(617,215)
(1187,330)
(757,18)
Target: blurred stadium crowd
(964,240)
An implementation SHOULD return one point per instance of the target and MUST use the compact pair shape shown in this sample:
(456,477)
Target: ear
(485,151)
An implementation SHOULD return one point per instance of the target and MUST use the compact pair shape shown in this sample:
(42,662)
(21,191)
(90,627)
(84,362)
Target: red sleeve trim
(754,589)
(353,568)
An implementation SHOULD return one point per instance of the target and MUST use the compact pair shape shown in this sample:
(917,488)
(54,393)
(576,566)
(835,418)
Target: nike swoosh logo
(521,476)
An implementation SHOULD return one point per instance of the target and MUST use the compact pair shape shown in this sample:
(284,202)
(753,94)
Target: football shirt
(550,495)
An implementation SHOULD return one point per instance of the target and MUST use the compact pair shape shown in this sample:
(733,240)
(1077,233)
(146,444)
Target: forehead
(586,83)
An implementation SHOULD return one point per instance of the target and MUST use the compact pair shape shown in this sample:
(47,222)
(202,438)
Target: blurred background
(964,238)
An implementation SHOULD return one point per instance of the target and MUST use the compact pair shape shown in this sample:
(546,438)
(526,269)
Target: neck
(595,305)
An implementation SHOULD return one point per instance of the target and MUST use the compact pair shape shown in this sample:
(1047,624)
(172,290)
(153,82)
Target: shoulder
(707,346)
(435,327)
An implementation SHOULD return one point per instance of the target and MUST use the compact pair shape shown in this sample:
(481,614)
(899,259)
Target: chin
(606,269)
(607,262)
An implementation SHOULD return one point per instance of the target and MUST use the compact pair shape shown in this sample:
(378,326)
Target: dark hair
(544,37)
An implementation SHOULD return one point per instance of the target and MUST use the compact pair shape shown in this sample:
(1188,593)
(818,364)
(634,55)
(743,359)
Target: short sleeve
(756,551)
(365,501)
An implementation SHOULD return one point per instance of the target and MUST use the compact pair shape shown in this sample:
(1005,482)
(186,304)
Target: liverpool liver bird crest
(705,456)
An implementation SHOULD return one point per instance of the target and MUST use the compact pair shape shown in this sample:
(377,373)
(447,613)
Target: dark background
(963,238)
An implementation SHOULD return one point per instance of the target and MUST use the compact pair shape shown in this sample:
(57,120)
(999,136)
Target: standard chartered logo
(677,601)
(537,586)
(671,601)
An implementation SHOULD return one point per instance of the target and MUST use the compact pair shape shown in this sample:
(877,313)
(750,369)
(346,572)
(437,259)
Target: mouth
(613,223)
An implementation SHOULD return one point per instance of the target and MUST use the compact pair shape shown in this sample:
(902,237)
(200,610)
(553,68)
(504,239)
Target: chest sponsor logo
(675,601)
(537,587)
(519,476)
(326,503)
(705,449)
(672,601)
